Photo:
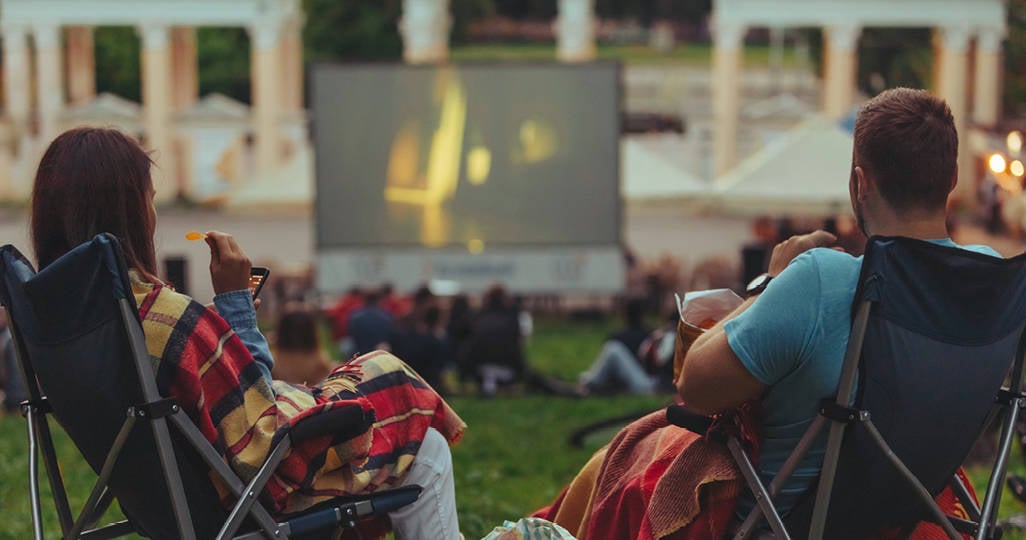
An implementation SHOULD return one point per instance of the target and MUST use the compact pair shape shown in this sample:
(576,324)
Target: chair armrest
(345,422)
(348,509)
(680,415)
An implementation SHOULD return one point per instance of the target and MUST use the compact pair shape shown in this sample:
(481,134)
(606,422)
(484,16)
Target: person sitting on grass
(617,368)
(298,355)
(217,364)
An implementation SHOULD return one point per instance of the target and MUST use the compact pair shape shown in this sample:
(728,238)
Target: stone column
(8,169)
(81,64)
(425,29)
(184,67)
(840,64)
(953,87)
(157,107)
(575,31)
(988,84)
(264,43)
(184,93)
(16,80)
(16,108)
(726,95)
(49,81)
(292,66)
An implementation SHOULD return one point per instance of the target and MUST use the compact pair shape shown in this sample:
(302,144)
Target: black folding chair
(935,353)
(82,350)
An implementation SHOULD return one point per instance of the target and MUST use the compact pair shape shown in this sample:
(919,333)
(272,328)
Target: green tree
(1015,59)
(465,12)
(355,31)
(224,62)
(887,57)
(890,57)
(116,50)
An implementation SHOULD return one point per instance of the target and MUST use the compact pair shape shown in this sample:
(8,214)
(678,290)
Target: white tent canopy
(289,188)
(803,173)
(649,175)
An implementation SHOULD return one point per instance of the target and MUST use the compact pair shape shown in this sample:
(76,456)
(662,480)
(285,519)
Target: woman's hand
(229,265)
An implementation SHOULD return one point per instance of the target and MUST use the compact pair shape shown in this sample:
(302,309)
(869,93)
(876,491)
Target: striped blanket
(656,481)
(200,361)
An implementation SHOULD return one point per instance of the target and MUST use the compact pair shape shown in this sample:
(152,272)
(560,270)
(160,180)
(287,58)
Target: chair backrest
(73,321)
(945,329)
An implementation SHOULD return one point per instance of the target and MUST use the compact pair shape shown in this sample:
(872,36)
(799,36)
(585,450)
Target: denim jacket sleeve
(236,307)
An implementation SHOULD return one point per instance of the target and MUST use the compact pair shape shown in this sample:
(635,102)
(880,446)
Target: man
(370,325)
(617,367)
(785,345)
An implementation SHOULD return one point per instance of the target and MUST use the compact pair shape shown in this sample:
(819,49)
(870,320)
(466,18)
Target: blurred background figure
(420,301)
(617,368)
(494,349)
(524,319)
(370,325)
(338,316)
(419,341)
(299,357)
(394,304)
(458,330)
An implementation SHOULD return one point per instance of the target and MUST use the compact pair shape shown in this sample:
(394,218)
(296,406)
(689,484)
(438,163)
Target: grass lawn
(699,54)
(513,459)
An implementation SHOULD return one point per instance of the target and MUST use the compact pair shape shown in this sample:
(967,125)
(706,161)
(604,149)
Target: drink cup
(687,333)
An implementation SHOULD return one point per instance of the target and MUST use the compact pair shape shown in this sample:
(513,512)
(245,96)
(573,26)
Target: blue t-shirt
(793,339)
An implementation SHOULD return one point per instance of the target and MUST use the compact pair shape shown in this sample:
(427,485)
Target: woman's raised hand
(229,265)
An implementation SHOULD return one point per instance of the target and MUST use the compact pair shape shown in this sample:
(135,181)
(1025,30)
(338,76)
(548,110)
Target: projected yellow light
(1014,142)
(997,163)
(479,164)
(436,182)
(1017,168)
(538,141)
(475,246)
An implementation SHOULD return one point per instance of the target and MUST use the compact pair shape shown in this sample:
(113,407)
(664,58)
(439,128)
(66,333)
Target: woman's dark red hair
(91,181)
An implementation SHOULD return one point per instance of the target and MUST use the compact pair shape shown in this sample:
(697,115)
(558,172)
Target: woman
(217,363)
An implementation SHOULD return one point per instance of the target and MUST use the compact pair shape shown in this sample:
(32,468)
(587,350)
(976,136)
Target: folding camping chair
(81,347)
(936,333)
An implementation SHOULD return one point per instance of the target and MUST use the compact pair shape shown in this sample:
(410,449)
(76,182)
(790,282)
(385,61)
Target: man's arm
(712,377)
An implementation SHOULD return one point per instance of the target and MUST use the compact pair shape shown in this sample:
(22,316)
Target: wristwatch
(757,285)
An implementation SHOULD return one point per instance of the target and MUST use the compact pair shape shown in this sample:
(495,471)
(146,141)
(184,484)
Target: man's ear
(954,181)
(863,184)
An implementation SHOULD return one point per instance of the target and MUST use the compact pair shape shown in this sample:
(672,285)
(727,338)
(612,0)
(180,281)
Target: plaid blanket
(199,360)
(658,481)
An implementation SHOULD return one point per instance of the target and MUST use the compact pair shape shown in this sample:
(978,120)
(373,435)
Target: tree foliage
(116,51)
(224,62)
(1015,59)
(354,31)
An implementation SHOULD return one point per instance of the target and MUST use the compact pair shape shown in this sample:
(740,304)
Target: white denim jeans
(433,515)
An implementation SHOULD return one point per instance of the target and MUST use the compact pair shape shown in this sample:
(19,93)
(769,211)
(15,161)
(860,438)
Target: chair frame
(836,415)
(158,412)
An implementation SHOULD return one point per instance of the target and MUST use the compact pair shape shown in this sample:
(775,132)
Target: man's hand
(787,250)
(229,265)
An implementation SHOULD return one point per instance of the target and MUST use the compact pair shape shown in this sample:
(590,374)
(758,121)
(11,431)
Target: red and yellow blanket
(200,361)
(656,481)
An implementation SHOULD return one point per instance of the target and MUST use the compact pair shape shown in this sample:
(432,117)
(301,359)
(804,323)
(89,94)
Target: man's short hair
(906,140)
